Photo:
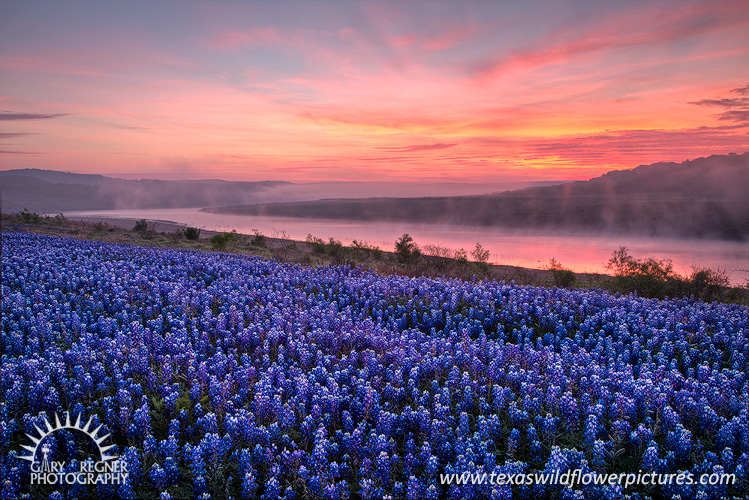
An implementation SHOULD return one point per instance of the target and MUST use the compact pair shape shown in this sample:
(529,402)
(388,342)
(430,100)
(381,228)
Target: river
(581,253)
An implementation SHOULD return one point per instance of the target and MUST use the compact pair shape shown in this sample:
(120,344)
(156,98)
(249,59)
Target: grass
(407,259)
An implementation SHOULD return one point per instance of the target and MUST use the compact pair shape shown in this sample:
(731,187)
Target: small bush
(260,240)
(480,254)
(318,245)
(192,233)
(406,249)
(708,284)
(563,278)
(219,242)
(30,217)
(366,250)
(141,226)
(650,277)
(334,248)
(438,251)
(461,256)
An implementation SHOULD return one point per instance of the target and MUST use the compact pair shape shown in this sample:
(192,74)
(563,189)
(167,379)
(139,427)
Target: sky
(306,91)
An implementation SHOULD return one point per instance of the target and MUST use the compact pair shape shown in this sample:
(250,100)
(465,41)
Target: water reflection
(582,253)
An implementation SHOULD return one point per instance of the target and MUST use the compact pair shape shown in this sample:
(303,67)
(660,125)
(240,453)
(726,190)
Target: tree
(650,277)
(406,249)
(221,240)
(141,226)
(260,240)
(480,254)
(563,277)
(192,233)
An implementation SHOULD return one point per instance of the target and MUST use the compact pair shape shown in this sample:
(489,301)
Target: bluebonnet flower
(158,477)
(300,375)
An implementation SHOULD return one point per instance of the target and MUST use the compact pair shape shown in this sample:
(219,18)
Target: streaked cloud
(14,135)
(327,90)
(737,107)
(419,147)
(9,115)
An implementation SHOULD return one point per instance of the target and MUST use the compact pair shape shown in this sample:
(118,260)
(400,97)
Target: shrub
(406,249)
(461,256)
(318,245)
(30,217)
(334,248)
(480,254)
(260,240)
(141,226)
(366,250)
(563,277)
(708,284)
(650,277)
(192,233)
(220,241)
(438,251)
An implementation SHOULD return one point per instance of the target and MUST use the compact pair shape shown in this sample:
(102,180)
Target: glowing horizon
(370,91)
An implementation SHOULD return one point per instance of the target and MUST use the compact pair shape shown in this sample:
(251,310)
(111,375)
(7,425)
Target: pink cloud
(300,38)
(618,31)
(433,42)
(419,147)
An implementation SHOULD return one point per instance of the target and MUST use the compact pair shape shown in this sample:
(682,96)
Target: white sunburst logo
(108,470)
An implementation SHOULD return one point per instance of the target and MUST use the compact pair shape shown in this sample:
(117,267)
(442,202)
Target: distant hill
(702,198)
(48,191)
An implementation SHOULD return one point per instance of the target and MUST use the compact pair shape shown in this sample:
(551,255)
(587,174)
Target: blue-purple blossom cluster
(231,376)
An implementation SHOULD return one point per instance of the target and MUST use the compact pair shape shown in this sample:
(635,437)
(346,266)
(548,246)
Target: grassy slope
(383,262)
(321,253)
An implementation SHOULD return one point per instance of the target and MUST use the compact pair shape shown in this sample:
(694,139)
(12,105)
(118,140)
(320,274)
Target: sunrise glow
(408,91)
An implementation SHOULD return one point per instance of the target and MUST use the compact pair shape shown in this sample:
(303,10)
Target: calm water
(583,253)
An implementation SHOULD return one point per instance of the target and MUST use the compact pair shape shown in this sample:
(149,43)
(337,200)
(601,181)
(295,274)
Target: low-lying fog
(582,253)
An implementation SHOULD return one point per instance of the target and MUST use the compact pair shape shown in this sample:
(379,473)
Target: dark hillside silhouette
(703,198)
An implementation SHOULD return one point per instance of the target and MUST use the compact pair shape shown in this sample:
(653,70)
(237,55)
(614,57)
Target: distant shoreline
(444,263)
(521,275)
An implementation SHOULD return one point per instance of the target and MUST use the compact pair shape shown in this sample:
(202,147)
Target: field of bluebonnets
(220,375)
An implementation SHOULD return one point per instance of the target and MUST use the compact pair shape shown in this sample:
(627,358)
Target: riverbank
(162,233)
(429,261)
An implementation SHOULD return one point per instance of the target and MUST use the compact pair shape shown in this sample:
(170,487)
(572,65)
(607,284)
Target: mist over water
(581,253)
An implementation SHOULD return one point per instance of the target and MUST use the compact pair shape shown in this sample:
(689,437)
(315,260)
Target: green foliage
(221,241)
(563,277)
(333,247)
(192,233)
(141,226)
(709,284)
(461,256)
(480,254)
(650,277)
(260,240)
(406,249)
(318,245)
(30,217)
(365,250)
